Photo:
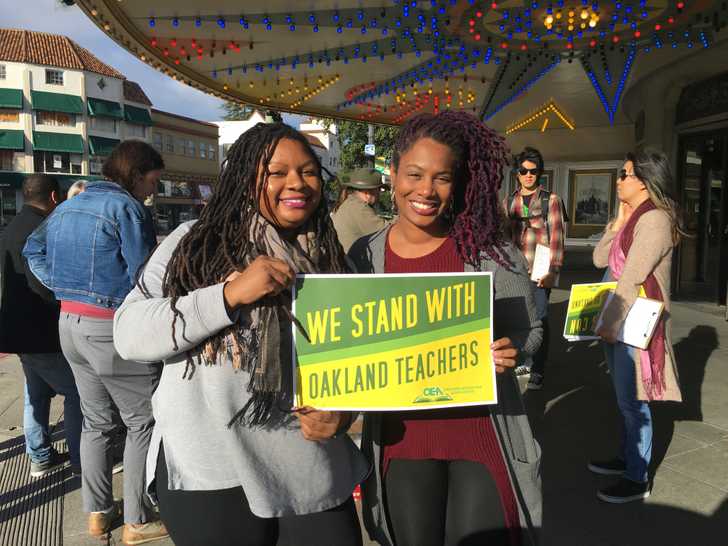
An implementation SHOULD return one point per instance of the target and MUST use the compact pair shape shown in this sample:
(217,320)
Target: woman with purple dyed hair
(465,475)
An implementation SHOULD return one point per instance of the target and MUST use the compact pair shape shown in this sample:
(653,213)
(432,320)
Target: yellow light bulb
(558,15)
(592,23)
(549,20)
(584,14)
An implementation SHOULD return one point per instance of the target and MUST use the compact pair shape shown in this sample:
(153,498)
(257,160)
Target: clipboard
(640,323)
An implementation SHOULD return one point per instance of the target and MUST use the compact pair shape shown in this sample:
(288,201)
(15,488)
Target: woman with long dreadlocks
(233,464)
(462,476)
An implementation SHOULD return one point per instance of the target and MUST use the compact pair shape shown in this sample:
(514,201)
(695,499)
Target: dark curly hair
(480,156)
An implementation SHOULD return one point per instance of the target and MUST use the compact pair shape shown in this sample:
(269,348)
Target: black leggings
(223,518)
(450,503)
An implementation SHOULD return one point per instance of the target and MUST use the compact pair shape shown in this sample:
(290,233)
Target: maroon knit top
(446,434)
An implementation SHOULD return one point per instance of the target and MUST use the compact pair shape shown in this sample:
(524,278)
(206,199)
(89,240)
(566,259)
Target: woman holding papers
(465,475)
(233,464)
(637,247)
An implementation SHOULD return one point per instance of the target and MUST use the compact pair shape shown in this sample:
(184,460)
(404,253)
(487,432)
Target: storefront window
(157,142)
(168,188)
(168,216)
(8,208)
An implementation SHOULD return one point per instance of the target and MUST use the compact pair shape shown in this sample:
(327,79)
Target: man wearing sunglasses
(536,217)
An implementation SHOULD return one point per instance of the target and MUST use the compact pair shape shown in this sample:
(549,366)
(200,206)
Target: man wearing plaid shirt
(536,217)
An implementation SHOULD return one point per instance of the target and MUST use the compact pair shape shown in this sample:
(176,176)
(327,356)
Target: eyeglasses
(523,171)
(623,175)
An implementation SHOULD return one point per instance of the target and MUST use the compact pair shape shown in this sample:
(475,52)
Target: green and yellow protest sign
(386,342)
(585,307)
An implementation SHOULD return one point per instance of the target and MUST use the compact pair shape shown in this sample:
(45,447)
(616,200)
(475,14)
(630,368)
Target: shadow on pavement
(575,418)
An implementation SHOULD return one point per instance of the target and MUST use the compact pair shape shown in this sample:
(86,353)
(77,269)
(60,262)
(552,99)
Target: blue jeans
(48,374)
(636,447)
(541,296)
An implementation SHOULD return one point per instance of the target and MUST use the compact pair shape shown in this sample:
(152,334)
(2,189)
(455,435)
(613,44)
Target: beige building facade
(190,151)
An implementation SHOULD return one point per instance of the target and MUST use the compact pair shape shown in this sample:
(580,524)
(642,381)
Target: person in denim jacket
(88,253)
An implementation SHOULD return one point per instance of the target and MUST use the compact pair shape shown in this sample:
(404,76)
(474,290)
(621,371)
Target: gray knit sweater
(281,472)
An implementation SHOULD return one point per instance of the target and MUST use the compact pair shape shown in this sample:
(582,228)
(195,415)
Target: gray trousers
(106,382)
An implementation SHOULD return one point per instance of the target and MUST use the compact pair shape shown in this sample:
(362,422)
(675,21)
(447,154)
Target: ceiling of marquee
(385,60)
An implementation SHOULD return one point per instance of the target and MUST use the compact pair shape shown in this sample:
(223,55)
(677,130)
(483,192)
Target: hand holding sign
(321,425)
(263,277)
(504,354)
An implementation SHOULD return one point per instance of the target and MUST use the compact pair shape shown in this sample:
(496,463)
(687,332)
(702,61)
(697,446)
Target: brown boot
(143,532)
(99,523)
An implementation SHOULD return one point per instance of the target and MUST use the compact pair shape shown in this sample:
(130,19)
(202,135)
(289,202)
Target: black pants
(444,503)
(223,518)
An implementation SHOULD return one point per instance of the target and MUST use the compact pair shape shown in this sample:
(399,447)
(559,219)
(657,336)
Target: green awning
(132,114)
(57,142)
(100,145)
(11,98)
(11,140)
(56,102)
(104,108)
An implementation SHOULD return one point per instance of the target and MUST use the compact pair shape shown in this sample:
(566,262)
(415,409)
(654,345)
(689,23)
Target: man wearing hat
(354,214)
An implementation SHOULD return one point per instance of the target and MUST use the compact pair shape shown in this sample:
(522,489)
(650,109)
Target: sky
(53,17)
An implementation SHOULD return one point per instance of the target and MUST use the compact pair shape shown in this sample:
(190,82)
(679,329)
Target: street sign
(369,149)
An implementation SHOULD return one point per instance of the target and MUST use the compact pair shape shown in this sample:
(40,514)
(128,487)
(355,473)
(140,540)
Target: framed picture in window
(591,198)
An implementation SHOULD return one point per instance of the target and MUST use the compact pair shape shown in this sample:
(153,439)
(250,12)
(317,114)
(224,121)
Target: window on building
(76,160)
(52,162)
(203,150)
(54,77)
(157,142)
(55,119)
(179,146)
(95,164)
(9,116)
(169,144)
(8,208)
(191,148)
(3,73)
(107,125)
(211,151)
(11,160)
(135,130)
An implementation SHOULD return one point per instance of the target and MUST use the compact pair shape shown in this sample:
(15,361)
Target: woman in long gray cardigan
(232,462)
(638,248)
(464,475)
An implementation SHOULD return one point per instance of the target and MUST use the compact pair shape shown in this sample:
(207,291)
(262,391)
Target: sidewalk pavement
(574,417)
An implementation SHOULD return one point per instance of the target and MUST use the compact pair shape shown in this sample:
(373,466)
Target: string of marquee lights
(525,87)
(611,107)
(549,108)
(440,67)
(459,34)
(325,84)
